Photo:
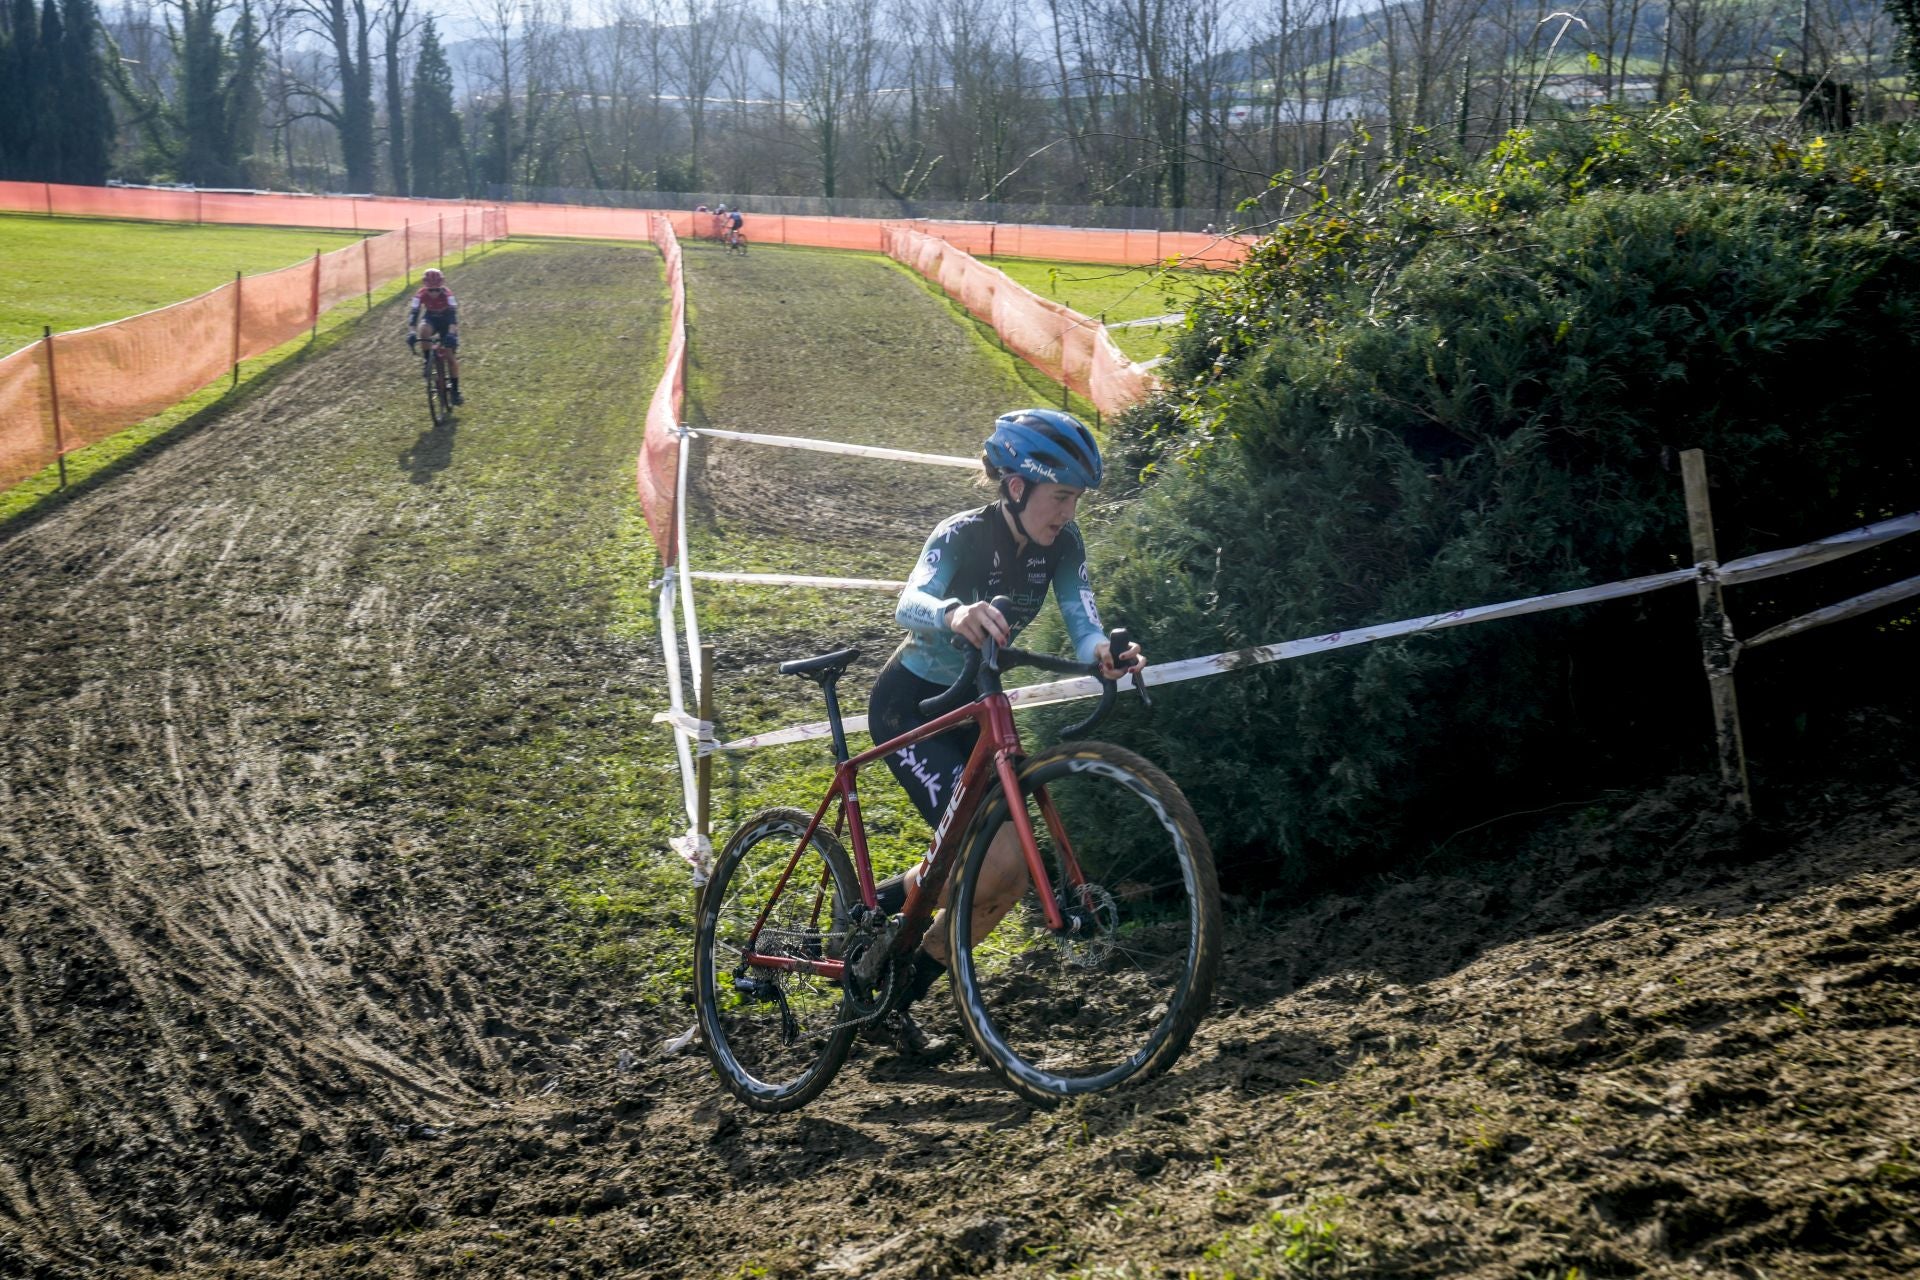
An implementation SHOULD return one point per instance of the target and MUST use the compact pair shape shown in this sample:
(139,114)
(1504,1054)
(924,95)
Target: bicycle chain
(885,1006)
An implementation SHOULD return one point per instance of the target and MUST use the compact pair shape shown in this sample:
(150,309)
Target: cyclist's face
(1049,510)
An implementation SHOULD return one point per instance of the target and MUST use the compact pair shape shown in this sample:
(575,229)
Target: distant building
(1587,90)
(1298,112)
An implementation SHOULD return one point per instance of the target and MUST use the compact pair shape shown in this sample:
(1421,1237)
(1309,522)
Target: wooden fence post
(53,393)
(443,239)
(463,233)
(1717,644)
(236,328)
(366,269)
(313,304)
(409,239)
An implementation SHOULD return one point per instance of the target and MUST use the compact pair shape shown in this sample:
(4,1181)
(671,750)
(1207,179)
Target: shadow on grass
(431,454)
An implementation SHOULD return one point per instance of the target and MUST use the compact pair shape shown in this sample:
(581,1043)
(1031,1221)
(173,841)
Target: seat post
(830,685)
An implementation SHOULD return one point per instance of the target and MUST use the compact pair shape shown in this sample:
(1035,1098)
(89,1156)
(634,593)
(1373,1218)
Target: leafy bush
(1468,384)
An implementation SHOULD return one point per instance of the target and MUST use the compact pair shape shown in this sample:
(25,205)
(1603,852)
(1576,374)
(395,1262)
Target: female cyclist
(1042,461)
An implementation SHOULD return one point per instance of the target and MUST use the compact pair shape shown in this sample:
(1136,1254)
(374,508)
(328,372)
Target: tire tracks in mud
(263,1018)
(225,956)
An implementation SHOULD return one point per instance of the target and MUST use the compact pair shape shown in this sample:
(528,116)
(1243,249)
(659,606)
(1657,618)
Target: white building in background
(1585,90)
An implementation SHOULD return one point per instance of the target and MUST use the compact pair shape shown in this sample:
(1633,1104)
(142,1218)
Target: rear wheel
(1114,998)
(775,1036)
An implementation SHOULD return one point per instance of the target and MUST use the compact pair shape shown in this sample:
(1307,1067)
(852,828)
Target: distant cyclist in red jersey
(435,306)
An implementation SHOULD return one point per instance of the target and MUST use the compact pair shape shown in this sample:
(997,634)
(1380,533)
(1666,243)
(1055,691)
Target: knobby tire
(1057,1017)
(439,395)
(773,1053)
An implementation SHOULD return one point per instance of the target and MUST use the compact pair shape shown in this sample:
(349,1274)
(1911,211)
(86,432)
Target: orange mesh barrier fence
(389,213)
(113,375)
(75,389)
(265,208)
(1068,347)
(1087,244)
(659,452)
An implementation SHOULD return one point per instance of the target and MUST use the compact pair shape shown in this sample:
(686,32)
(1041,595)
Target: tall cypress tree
(201,105)
(87,135)
(438,167)
(49,88)
(16,120)
(245,100)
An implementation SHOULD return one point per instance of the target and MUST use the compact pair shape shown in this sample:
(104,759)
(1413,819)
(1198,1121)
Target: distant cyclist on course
(1021,546)
(435,304)
(734,218)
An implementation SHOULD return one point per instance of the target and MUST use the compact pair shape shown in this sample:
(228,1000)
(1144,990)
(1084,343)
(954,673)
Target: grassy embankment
(1114,295)
(70,273)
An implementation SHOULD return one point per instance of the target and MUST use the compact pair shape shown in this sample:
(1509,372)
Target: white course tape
(1772,563)
(794,733)
(670,643)
(695,848)
(701,731)
(798,580)
(834,446)
(1172,317)
(686,583)
(1040,695)
(1859,604)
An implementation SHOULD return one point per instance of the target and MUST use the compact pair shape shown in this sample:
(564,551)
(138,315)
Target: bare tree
(345,26)
(396,26)
(836,56)
(698,41)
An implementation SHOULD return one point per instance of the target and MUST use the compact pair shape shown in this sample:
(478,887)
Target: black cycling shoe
(904,1033)
(458,398)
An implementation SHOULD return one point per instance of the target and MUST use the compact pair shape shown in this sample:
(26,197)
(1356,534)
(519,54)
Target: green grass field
(79,272)
(73,272)
(1113,294)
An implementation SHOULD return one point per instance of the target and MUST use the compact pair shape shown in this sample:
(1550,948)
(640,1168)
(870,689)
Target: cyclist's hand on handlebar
(1130,662)
(975,622)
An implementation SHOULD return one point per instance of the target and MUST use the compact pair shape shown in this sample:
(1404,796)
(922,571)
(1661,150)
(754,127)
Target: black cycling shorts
(441,322)
(929,770)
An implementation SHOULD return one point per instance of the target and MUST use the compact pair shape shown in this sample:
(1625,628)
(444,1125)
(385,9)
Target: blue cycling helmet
(1044,446)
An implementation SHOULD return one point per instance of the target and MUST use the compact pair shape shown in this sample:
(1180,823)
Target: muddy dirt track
(272,1011)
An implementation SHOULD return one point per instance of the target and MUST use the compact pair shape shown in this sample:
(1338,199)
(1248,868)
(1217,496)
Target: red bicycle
(1095,979)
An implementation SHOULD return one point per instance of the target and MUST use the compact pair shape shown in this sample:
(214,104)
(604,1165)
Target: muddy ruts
(233,972)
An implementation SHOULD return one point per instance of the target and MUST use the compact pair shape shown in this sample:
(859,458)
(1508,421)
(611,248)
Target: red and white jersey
(433,299)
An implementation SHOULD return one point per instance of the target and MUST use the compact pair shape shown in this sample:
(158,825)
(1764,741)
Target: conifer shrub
(1471,383)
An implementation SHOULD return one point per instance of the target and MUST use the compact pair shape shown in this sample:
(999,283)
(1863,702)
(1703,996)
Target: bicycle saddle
(828,666)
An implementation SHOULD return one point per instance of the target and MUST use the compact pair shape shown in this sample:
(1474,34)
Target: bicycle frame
(993,755)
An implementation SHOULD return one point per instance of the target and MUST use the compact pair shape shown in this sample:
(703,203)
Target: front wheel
(776,1035)
(439,393)
(1114,997)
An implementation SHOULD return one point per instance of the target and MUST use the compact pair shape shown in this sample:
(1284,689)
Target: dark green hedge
(1465,384)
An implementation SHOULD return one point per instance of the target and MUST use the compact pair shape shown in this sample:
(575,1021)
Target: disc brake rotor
(1098,917)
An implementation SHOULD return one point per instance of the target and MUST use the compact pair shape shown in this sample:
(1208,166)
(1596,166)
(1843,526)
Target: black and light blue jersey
(972,556)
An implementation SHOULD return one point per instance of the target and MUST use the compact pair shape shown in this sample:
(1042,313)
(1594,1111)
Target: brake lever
(1119,641)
